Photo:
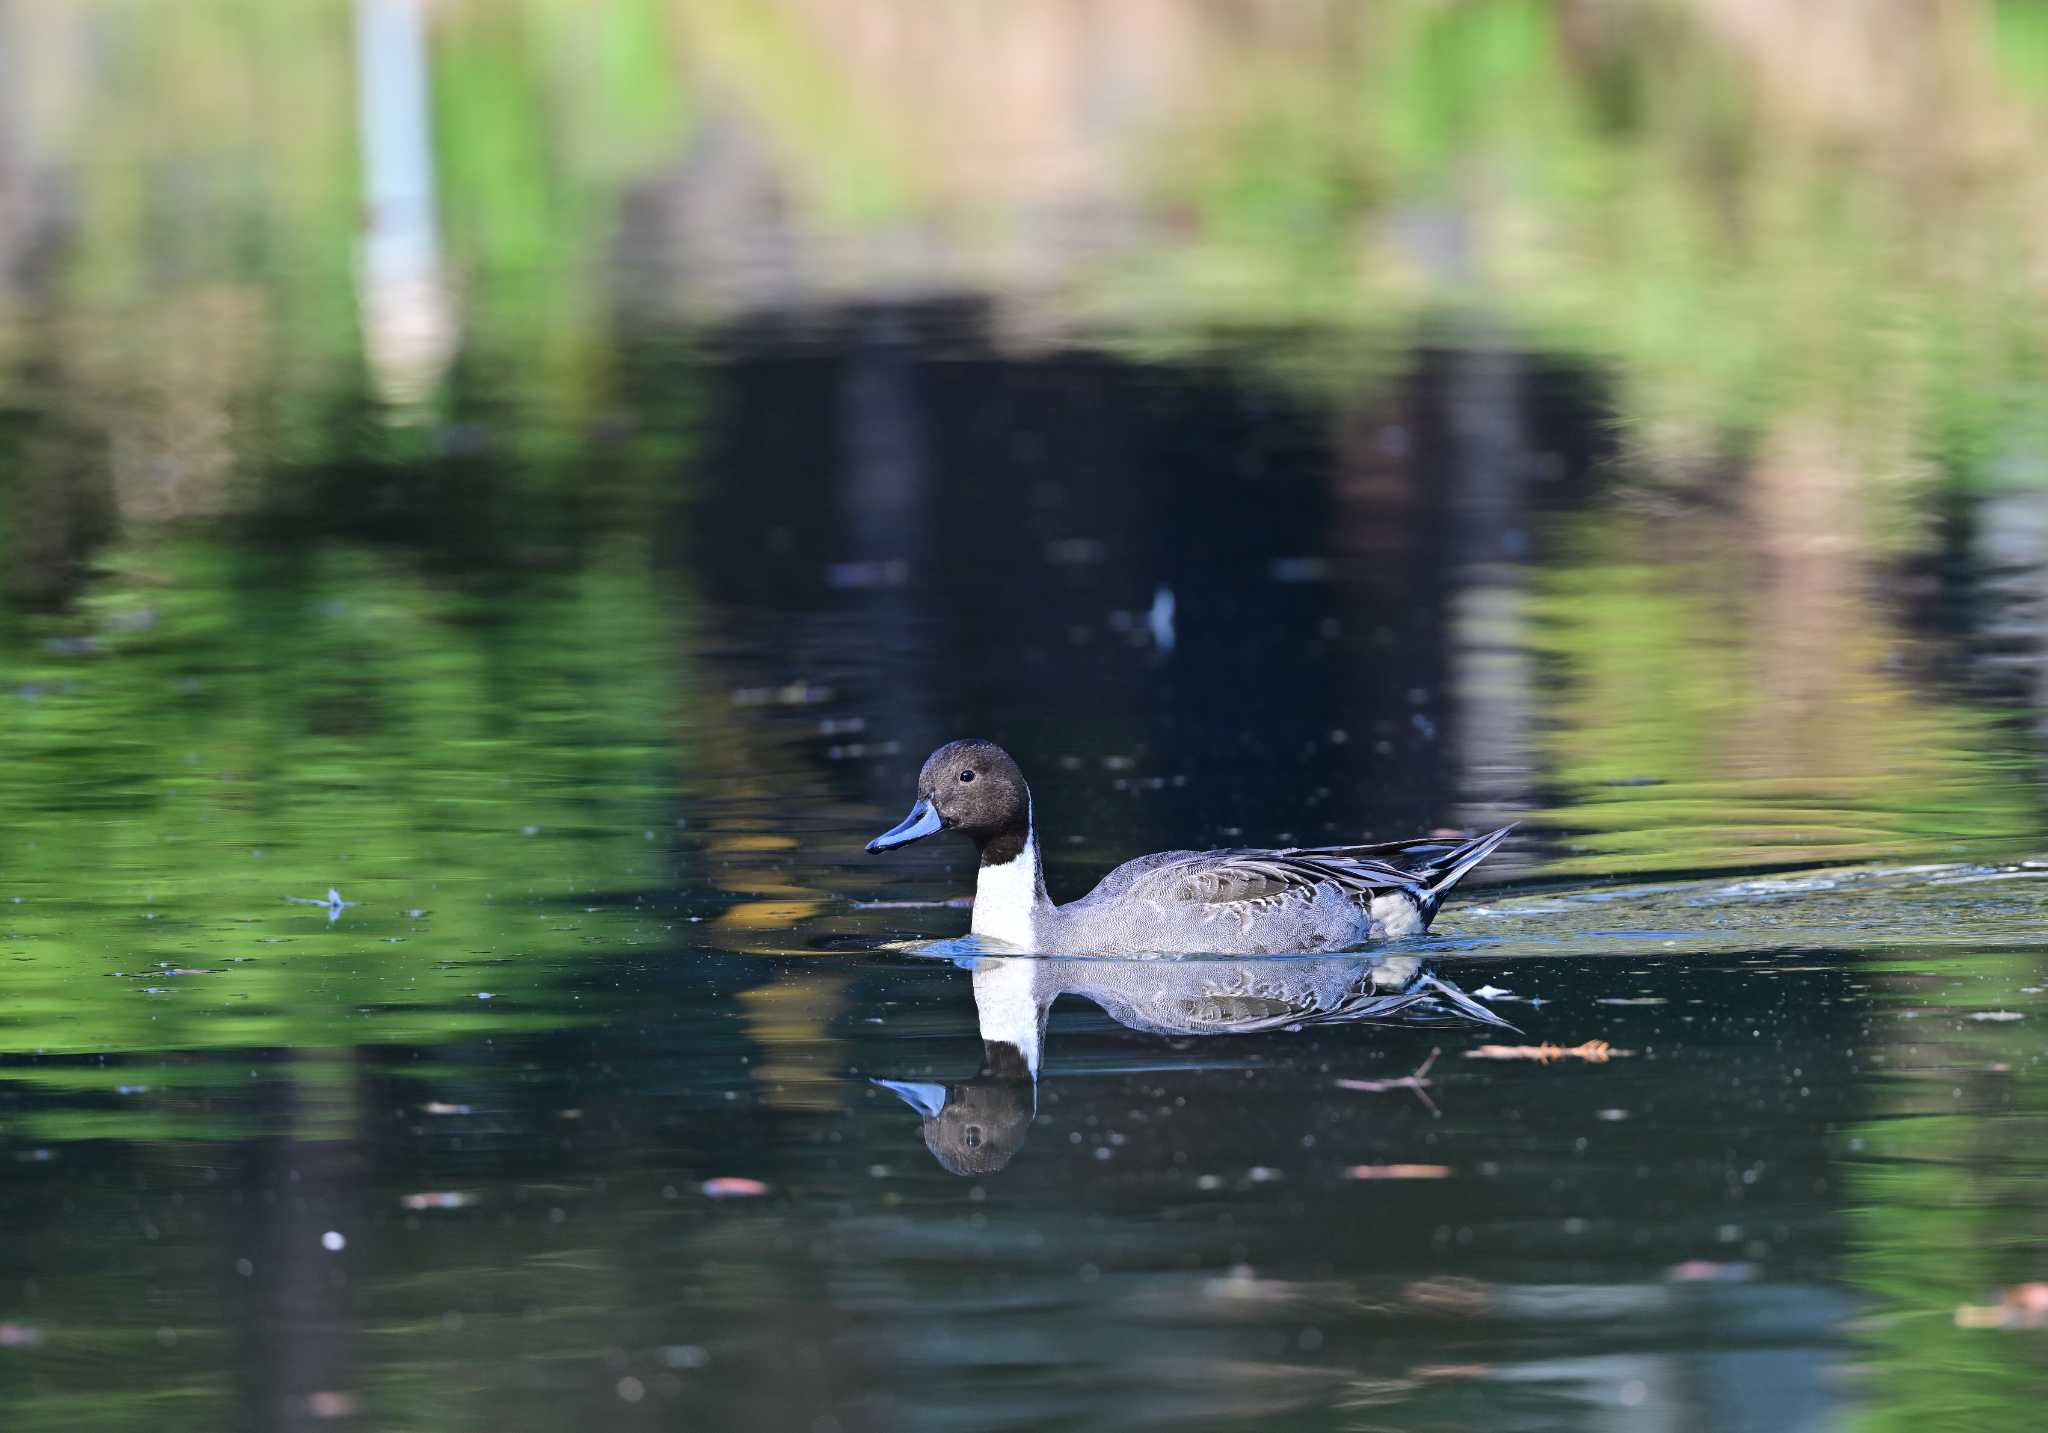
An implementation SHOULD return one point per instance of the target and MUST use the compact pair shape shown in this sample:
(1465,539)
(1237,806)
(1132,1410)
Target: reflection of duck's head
(976,1126)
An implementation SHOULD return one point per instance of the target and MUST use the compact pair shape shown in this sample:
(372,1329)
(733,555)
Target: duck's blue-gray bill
(920,823)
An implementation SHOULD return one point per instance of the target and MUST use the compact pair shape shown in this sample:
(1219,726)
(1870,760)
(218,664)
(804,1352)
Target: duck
(976,1126)
(1240,901)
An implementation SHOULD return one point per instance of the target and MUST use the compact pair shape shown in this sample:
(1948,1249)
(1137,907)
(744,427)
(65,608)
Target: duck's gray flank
(1242,901)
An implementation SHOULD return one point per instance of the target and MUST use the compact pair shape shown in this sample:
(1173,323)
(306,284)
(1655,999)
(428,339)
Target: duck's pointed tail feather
(1454,864)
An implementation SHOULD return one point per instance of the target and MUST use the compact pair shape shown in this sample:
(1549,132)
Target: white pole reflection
(409,332)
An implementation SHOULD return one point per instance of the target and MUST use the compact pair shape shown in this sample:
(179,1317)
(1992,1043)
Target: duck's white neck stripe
(1006,897)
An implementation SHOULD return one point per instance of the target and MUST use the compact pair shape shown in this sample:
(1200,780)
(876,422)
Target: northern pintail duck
(974,1126)
(1232,902)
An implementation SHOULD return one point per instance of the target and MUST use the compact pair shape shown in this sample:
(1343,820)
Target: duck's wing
(1222,878)
(1422,870)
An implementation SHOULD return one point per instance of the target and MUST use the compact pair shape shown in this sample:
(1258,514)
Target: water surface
(498,502)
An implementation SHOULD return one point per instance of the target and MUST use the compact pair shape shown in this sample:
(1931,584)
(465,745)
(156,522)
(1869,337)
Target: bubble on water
(330,1404)
(334,1241)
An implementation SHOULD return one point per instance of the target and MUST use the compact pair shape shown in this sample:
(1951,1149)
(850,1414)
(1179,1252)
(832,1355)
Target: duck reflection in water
(976,1126)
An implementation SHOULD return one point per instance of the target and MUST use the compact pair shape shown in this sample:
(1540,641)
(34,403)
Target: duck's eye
(967,776)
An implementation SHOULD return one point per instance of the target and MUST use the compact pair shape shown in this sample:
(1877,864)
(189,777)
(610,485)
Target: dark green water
(594,789)
(1273,431)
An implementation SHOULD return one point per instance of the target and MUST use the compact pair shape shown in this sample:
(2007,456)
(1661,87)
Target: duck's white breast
(1005,898)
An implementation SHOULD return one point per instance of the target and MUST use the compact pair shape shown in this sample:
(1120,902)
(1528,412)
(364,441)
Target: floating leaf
(1595,1052)
(2023,1306)
(1398,1171)
(439,1199)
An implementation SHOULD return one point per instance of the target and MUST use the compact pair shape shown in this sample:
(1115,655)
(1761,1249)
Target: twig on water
(1418,1082)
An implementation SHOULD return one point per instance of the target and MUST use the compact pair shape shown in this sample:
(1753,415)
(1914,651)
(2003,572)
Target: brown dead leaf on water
(1398,1171)
(1593,1052)
(438,1199)
(1449,1294)
(2024,1306)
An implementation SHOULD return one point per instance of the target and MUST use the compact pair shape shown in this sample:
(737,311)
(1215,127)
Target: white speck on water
(1997,1015)
(529,830)
(1491,992)
(483,995)
(1160,618)
(333,1241)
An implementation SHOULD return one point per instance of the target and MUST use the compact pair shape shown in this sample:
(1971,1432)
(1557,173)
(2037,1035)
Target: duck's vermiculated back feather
(1228,877)
(1423,870)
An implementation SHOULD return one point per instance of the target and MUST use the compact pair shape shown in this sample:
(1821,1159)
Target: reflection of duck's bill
(923,1096)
